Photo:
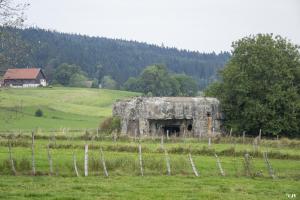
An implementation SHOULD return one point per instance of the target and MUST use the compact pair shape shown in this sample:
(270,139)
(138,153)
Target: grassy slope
(63,107)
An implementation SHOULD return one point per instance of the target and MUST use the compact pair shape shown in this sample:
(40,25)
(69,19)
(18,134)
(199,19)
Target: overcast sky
(202,25)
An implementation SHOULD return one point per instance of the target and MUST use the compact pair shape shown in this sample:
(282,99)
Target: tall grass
(122,159)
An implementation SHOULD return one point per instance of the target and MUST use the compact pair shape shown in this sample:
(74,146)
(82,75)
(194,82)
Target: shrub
(111,124)
(39,113)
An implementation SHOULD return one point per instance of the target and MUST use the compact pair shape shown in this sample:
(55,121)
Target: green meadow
(151,187)
(125,180)
(62,107)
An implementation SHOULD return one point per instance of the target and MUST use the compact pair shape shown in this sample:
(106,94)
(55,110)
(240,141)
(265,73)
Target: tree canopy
(13,50)
(69,75)
(260,86)
(155,80)
(108,83)
(12,12)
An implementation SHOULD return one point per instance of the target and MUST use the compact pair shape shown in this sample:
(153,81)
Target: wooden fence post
(11,159)
(32,153)
(270,169)
(86,160)
(219,165)
(255,144)
(141,160)
(53,138)
(234,161)
(103,163)
(247,165)
(167,134)
(93,159)
(162,141)
(168,163)
(209,130)
(75,164)
(193,165)
(278,142)
(209,141)
(244,133)
(50,160)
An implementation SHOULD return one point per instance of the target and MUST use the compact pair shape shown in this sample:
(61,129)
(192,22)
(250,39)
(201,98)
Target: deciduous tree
(12,13)
(260,86)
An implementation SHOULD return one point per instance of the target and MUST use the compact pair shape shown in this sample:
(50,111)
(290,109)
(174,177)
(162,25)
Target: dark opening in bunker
(173,127)
(190,127)
(172,130)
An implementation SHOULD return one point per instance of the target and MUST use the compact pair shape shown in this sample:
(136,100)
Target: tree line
(98,57)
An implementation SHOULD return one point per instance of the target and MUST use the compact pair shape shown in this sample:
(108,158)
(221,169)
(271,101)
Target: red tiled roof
(30,73)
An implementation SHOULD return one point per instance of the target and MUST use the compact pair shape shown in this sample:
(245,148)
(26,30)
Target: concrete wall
(137,113)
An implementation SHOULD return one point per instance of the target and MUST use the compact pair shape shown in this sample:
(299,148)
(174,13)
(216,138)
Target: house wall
(41,79)
(20,82)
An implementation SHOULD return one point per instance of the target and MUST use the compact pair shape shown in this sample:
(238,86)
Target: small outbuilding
(177,116)
(24,78)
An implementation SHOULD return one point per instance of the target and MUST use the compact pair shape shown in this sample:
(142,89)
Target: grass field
(125,181)
(83,109)
(151,187)
(62,107)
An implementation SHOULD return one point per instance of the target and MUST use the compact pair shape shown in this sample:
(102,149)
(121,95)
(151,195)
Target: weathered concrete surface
(158,115)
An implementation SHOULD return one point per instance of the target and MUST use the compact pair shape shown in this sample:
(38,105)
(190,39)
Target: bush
(38,113)
(111,124)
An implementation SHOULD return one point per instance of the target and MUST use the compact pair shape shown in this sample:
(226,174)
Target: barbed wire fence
(63,154)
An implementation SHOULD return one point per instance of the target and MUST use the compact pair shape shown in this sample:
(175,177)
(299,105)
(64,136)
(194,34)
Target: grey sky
(203,25)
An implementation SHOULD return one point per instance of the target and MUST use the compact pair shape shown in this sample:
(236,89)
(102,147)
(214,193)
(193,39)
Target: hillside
(118,58)
(62,107)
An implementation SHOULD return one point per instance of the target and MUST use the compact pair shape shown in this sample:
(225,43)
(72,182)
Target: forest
(98,57)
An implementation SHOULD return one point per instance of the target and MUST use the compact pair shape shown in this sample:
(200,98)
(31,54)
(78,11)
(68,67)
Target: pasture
(62,107)
(124,179)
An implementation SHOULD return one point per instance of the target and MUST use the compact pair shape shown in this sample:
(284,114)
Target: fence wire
(122,158)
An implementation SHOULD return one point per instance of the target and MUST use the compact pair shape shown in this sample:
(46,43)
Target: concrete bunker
(175,116)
